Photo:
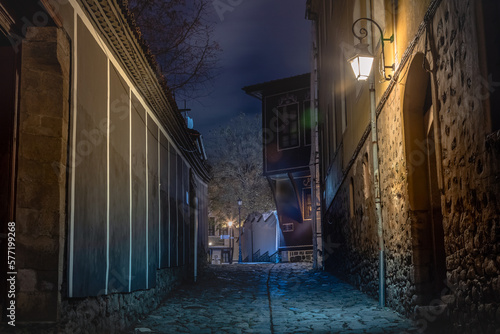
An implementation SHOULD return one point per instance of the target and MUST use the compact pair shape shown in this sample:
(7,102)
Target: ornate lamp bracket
(363,33)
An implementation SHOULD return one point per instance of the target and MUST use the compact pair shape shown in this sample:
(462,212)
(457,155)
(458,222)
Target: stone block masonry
(111,313)
(41,190)
(115,312)
(465,198)
(471,165)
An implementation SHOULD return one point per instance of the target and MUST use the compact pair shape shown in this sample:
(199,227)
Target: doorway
(9,97)
(429,259)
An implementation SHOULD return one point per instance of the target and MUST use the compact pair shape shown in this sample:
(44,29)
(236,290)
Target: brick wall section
(41,189)
(471,158)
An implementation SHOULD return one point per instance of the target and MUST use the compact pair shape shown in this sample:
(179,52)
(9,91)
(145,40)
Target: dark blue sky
(262,40)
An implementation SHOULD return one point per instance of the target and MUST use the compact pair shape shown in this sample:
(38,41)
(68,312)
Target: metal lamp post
(239,224)
(230,225)
(361,64)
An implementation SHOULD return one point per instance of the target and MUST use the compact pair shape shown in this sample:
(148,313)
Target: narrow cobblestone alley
(270,298)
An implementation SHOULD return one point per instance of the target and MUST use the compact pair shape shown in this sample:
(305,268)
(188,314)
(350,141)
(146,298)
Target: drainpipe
(376,173)
(378,204)
(314,160)
(394,25)
(196,238)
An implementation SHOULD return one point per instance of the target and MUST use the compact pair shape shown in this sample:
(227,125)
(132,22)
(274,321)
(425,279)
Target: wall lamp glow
(362,61)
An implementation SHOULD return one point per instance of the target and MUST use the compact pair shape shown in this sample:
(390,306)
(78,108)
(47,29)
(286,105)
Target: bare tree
(235,156)
(179,34)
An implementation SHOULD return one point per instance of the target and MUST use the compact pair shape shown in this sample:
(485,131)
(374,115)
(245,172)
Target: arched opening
(424,195)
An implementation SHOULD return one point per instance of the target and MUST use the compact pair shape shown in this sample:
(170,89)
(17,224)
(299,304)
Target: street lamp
(230,224)
(361,65)
(239,224)
(362,61)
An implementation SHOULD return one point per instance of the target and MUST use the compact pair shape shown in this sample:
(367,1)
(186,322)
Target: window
(307,123)
(326,135)
(343,108)
(288,126)
(307,205)
(287,227)
(333,126)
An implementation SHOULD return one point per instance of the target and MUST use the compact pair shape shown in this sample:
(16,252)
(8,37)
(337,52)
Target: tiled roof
(260,89)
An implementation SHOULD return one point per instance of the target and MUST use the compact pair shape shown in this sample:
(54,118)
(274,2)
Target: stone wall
(400,293)
(471,161)
(350,242)
(41,189)
(351,246)
(115,312)
(469,168)
(300,256)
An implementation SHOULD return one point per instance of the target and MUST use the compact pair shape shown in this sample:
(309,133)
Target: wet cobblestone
(270,298)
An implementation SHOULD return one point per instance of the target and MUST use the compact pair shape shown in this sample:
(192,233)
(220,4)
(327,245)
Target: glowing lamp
(362,62)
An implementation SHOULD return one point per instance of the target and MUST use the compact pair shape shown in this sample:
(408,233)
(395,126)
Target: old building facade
(106,187)
(289,144)
(433,185)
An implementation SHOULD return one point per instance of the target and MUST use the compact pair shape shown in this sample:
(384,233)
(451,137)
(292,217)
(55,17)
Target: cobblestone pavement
(271,298)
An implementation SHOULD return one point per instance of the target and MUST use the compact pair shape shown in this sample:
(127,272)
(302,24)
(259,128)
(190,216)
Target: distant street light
(239,224)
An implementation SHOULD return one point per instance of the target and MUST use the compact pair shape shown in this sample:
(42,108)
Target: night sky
(262,40)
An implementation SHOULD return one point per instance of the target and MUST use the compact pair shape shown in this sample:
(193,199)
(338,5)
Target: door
(435,215)
(423,187)
(9,87)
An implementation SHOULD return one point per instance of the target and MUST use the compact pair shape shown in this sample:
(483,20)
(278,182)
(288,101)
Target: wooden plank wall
(119,185)
(90,167)
(153,202)
(129,213)
(138,163)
